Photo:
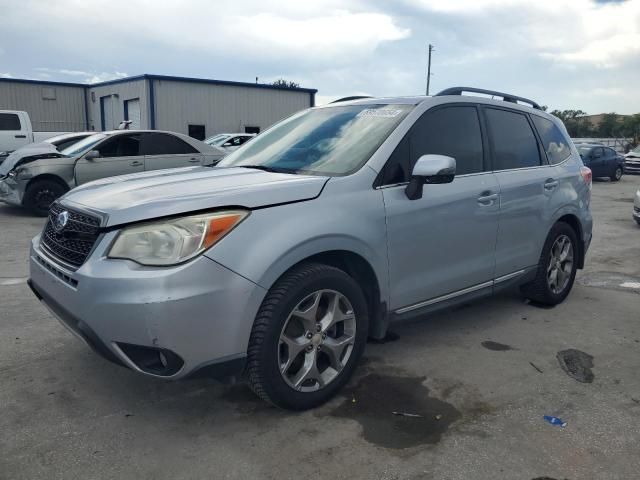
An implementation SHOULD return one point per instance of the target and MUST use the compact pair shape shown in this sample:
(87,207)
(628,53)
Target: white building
(193,106)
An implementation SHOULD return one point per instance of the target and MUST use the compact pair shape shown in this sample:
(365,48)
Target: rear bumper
(189,320)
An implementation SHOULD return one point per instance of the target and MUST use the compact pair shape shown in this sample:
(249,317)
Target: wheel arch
(49,177)
(574,222)
(362,271)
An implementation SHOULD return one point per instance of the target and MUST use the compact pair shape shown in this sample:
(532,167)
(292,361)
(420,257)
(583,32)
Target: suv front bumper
(199,314)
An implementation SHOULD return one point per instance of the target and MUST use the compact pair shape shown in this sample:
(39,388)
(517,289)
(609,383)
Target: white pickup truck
(16,131)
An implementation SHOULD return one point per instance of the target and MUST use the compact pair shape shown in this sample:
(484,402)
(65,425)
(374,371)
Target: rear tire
(617,175)
(557,267)
(41,194)
(289,337)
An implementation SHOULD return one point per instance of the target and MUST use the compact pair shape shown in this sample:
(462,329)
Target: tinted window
(9,121)
(452,131)
(610,152)
(121,146)
(597,152)
(553,141)
(197,131)
(514,144)
(165,144)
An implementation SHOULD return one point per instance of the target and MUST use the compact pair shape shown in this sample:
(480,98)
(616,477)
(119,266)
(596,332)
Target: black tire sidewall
(277,389)
(615,177)
(36,188)
(558,230)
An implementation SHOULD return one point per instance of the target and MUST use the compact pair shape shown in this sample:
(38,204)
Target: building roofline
(147,76)
(43,82)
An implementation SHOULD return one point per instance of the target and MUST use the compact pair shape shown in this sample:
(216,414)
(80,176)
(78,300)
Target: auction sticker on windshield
(379,112)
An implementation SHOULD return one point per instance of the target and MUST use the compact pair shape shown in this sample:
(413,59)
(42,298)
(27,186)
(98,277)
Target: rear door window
(121,146)
(9,122)
(554,142)
(453,131)
(166,144)
(513,140)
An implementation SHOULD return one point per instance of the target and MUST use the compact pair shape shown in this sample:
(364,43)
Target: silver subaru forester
(278,264)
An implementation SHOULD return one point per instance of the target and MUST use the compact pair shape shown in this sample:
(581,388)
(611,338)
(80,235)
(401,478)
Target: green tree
(575,122)
(610,126)
(281,82)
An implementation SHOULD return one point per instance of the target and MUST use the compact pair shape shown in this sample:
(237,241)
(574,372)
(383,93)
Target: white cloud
(6,75)
(88,77)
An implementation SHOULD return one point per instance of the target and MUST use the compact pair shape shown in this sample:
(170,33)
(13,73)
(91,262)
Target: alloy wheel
(560,265)
(317,340)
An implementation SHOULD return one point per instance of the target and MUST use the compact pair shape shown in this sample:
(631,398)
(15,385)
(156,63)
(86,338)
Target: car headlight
(12,174)
(174,241)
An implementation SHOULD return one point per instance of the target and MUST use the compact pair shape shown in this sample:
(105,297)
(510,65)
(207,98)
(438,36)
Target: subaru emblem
(61,221)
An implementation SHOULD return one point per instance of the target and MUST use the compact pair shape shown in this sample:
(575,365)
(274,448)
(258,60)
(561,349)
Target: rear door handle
(20,136)
(194,160)
(487,198)
(136,163)
(550,184)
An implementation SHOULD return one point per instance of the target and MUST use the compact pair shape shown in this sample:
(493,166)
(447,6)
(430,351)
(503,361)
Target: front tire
(307,337)
(41,194)
(557,267)
(617,174)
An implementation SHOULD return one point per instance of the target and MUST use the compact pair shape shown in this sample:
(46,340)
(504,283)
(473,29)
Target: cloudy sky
(563,53)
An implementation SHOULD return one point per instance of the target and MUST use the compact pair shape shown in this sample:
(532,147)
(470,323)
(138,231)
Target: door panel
(444,241)
(88,170)
(525,202)
(119,155)
(526,185)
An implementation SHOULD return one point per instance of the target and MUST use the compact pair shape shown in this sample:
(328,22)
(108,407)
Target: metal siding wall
(65,113)
(222,108)
(125,91)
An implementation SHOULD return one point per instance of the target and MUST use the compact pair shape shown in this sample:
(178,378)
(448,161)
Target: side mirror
(92,154)
(430,169)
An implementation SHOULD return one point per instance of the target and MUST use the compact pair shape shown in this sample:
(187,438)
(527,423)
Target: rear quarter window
(555,144)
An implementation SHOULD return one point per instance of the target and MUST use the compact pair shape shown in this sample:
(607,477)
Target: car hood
(148,195)
(27,154)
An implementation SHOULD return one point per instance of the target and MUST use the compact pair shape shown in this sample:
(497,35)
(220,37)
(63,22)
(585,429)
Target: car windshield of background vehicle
(583,151)
(83,145)
(216,139)
(325,141)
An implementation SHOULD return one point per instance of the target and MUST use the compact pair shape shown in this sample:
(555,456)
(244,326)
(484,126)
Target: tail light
(587,175)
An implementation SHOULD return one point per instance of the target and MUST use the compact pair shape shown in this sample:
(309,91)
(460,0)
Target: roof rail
(347,99)
(507,97)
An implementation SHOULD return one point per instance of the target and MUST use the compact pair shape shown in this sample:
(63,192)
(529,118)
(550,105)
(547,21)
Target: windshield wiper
(264,168)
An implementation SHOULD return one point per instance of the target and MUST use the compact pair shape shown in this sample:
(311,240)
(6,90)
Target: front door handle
(550,184)
(136,163)
(194,160)
(487,198)
(20,136)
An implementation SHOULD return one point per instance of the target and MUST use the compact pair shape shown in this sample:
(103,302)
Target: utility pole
(431,49)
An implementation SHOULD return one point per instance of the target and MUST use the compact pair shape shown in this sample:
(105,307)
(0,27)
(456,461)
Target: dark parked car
(603,161)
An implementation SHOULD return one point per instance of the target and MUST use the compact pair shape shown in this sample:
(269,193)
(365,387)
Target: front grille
(74,242)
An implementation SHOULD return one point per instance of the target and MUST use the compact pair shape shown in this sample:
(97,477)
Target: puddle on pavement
(495,346)
(375,397)
(576,364)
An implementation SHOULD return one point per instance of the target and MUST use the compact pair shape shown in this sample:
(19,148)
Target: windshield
(324,141)
(83,145)
(217,139)
(636,150)
(584,150)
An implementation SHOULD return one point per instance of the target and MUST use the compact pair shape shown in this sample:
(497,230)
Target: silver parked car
(229,141)
(278,264)
(36,181)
